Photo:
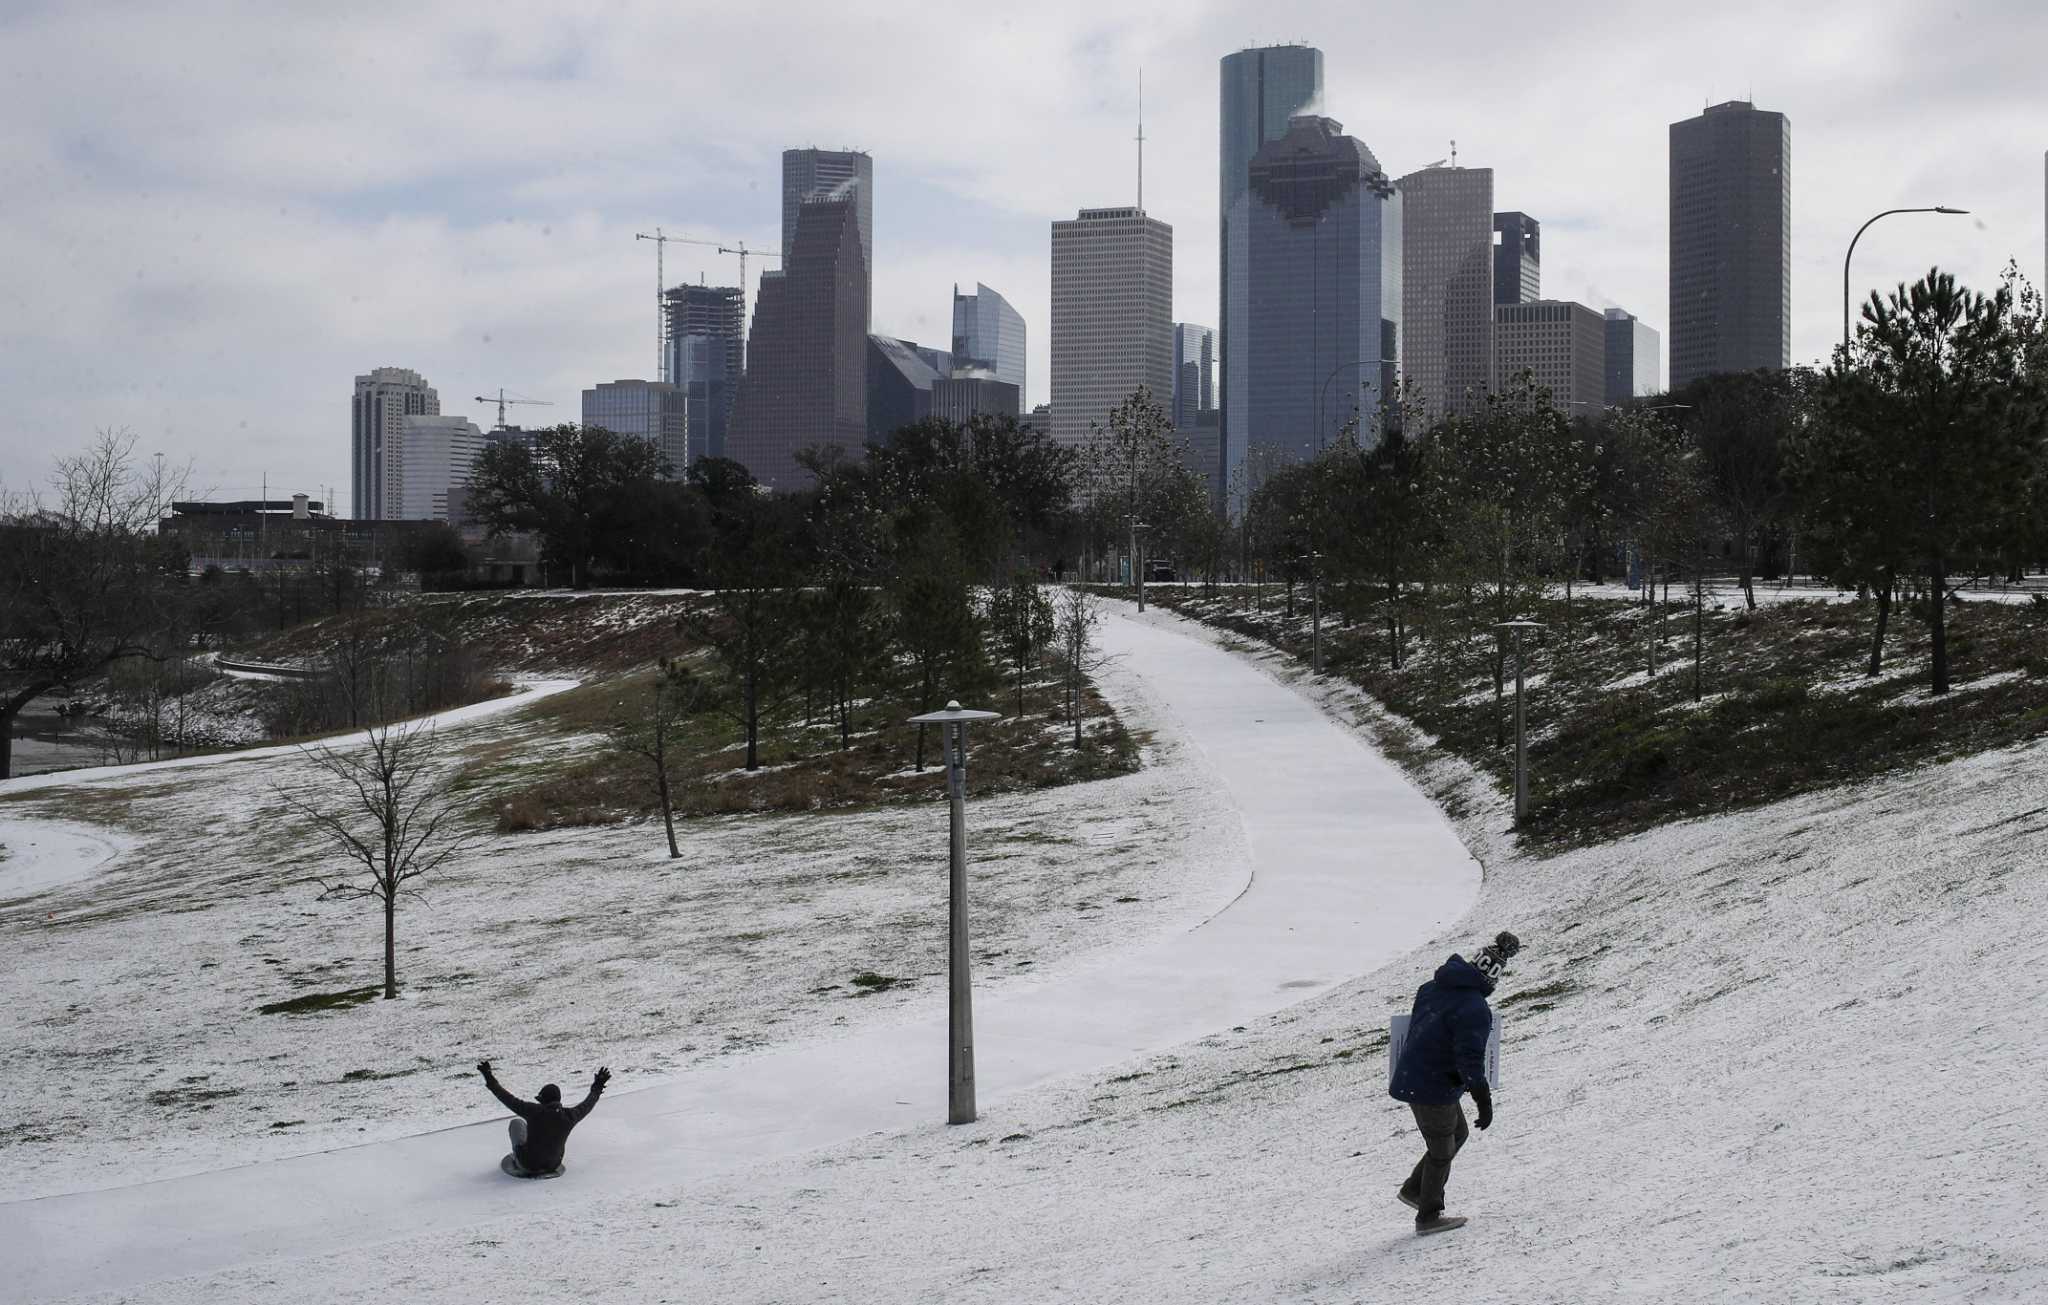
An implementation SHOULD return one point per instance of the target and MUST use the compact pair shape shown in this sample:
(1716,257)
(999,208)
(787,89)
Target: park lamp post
(1315,606)
(1521,720)
(959,989)
(1938,208)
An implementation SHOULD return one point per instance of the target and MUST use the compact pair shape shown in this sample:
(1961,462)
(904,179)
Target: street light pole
(1315,605)
(1938,208)
(1521,723)
(959,987)
(1137,562)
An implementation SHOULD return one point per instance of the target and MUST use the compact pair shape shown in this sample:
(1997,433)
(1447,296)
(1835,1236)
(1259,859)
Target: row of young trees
(1918,459)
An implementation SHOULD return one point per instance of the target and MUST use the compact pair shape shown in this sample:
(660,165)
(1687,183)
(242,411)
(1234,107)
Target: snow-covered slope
(1789,1055)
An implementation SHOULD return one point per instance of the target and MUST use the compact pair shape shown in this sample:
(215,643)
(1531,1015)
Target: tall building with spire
(1112,316)
(1320,248)
(1731,242)
(1261,91)
(383,399)
(1447,287)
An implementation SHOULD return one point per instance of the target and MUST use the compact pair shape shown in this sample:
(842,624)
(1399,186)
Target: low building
(959,398)
(1562,344)
(654,411)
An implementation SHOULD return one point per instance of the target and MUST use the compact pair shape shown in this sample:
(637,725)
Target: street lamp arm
(1937,208)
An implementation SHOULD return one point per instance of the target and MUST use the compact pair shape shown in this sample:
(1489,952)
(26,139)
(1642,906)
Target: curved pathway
(1349,866)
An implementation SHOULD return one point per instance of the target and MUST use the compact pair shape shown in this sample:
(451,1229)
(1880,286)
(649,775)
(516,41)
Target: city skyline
(166,238)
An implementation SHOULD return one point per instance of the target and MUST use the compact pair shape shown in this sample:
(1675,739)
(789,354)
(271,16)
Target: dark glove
(1482,1096)
(483,1067)
(604,1076)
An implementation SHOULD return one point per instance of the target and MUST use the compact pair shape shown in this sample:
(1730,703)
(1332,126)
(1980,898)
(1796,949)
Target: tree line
(1916,461)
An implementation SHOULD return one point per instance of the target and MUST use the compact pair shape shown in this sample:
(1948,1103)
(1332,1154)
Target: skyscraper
(1112,316)
(426,459)
(1517,259)
(1632,369)
(989,334)
(1194,373)
(1447,287)
(1319,305)
(1564,346)
(706,327)
(383,397)
(838,173)
(806,378)
(1261,91)
(1731,242)
(650,410)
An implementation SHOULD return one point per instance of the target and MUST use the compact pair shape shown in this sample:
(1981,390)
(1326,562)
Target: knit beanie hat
(550,1095)
(1493,958)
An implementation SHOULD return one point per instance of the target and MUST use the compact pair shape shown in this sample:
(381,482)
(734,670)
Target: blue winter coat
(1447,1031)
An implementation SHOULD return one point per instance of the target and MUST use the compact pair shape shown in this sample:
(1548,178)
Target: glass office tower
(989,334)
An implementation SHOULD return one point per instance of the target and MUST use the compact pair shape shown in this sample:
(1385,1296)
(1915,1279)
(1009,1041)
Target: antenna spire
(1141,140)
(1454,154)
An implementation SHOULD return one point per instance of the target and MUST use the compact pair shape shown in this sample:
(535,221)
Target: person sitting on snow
(540,1132)
(1444,1058)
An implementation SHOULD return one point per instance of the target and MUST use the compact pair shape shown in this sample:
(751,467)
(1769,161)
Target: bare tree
(395,820)
(1080,615)
(86,579)
(651,734)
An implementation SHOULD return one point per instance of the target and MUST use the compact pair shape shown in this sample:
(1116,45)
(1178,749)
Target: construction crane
(661,240)
(504,402)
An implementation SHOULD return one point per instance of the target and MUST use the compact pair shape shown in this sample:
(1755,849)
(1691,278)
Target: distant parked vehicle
(1158,570)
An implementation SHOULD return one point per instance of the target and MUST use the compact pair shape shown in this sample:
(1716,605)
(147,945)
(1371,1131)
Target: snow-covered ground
(1253,892)
(1793,1054)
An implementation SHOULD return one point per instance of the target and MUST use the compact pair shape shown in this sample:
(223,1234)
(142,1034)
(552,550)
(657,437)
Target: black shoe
(1408,1200)
(1436,1221)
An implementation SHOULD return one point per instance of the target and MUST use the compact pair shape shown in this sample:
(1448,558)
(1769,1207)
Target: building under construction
(706,336)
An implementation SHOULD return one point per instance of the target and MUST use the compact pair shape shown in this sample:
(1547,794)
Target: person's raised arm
(511,1103)
(597,1083)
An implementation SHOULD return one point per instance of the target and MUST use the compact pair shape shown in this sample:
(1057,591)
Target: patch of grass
(1548,992)
(869,983)
(375,1075)
(313,1003)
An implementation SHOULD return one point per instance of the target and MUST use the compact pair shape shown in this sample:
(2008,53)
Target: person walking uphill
(541,1131)
(1443,1058)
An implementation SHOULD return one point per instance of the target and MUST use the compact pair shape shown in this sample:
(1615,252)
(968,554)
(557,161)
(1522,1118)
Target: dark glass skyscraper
(705,326)
(838,174)
(1517,259)
(806,378)
(1731,242)
(1194,373)
(1262,89)
(1319,250)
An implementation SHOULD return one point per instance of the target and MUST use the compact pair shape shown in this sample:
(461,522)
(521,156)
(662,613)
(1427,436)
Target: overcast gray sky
(216,214)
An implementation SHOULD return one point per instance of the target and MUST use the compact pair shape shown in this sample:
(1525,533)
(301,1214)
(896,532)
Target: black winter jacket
(547,1127)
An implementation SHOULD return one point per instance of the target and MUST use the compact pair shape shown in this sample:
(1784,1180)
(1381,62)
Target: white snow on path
(1349,866)
(36,855)
(529,692)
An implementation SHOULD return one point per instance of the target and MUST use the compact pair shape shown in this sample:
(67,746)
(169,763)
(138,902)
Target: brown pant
(1443,1135)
